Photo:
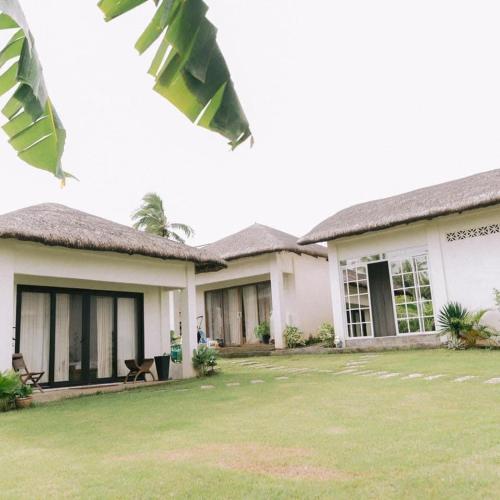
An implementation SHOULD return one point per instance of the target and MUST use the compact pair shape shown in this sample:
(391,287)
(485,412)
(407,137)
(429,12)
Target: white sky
(348,100)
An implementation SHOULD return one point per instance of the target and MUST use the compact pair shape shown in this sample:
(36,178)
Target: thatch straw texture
(476,191)
(259,239)
(56,225)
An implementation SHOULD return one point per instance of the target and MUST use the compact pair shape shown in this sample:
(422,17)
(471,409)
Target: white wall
(35,264)
(465,270)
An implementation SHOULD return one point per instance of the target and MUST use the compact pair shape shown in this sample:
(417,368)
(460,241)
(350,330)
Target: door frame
(85,355)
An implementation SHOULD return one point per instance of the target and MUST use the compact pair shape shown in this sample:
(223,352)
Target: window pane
(427,309)
(399,296)
(352,289)
(429,324)
(412,310)
(365,315)
(361,272)
(403,326)
(401,311)
(364,300)
(414,325)
(421,262)
(369,329)
(397,281)
(410,295)
(355,316)
(406,266)
(408,280)
(396,267)
(423,278)
(425,292)
(363,286)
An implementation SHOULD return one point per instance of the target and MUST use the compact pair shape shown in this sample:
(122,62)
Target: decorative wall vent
(475,232)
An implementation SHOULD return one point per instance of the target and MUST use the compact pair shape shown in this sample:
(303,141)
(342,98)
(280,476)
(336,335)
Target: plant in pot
(23,396)
(9,385)
(263,332)
(204,360)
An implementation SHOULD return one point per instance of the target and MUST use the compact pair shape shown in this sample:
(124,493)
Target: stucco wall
(312,293)
(34,264)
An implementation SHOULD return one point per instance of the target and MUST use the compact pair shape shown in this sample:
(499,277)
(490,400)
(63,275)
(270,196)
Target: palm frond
(34,128)
(187,230)
(189,68)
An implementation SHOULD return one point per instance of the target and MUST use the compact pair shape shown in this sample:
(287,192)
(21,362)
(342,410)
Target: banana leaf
(33,127)
(188,67)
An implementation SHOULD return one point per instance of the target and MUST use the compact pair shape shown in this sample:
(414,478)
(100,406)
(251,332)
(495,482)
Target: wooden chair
(135,369)
(25,375)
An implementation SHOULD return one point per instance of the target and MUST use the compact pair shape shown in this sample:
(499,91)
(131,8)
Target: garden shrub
(326,334)
(204,360)
(293,337)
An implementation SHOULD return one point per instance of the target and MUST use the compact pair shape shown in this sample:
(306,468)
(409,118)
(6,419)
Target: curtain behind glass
(234,320)
(251,312)
(127,333)
(104,324)
(61,361)
(35,332)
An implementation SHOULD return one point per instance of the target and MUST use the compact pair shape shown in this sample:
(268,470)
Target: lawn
(314,434)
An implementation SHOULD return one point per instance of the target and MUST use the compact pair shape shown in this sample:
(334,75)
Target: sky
(348,101)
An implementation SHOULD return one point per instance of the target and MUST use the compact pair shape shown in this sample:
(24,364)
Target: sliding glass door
(233,313)
(78,336)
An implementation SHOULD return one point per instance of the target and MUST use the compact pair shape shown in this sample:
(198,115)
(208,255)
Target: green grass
(313,435)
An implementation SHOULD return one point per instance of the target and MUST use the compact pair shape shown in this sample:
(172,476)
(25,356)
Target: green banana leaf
(33,127)
(188,67)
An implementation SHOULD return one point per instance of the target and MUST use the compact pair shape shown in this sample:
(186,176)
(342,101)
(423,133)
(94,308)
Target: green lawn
(312,435)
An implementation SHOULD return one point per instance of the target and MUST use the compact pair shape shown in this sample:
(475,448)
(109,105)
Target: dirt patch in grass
(285,463)
(336,430)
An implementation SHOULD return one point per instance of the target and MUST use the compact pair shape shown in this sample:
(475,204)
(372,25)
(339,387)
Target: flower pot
(162,366)
(266,338)
(23,402)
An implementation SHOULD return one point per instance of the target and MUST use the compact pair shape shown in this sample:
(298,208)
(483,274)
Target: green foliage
(293,337)
(463,326)
(10,384)
(204,360)
(152,218)
(496,294)
(326,333)
(189,68)
(34,128)
(263,330)
(24,391)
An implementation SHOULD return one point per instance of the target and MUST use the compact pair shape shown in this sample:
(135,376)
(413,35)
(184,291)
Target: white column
(439,287)
(165,320)
(337,294)
(277,296)
(7,317)
(188,318)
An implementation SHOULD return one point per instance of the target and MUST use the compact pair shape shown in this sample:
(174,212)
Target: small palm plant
(463,326)
(152,218)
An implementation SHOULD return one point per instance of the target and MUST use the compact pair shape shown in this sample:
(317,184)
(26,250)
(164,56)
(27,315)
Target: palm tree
(188,68)
(151,217)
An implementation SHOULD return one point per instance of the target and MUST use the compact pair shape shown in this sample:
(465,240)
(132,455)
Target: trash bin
(162,366)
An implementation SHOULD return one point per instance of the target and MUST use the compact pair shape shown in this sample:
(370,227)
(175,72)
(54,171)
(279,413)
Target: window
(357,300)
(412,294)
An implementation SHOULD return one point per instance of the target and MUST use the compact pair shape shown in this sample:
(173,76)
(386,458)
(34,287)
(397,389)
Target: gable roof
(259,239)
(475,191)
(57,225)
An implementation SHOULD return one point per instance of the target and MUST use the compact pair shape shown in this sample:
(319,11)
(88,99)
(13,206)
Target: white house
(395,262)
(80,294)
(268,278)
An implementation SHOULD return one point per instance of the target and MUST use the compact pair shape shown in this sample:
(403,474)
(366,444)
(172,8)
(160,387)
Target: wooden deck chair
(25,375)
(135,369)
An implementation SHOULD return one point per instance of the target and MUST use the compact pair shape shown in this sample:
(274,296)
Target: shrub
(263,331)
(10,383)
(463,327)
(312,340)
(204,360)
(24,391)
(293,337)
(326,334)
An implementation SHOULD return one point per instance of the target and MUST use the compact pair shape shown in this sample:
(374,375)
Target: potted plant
(263,332)
(24,396)
(204,360)
(162,366)
(9,385)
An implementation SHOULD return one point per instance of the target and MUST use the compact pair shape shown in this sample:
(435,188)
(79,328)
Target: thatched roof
(56,225)
(476,191)
(259,239)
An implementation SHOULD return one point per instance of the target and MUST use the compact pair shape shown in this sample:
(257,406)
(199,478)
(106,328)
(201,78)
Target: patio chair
(25,375)
(135,369)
